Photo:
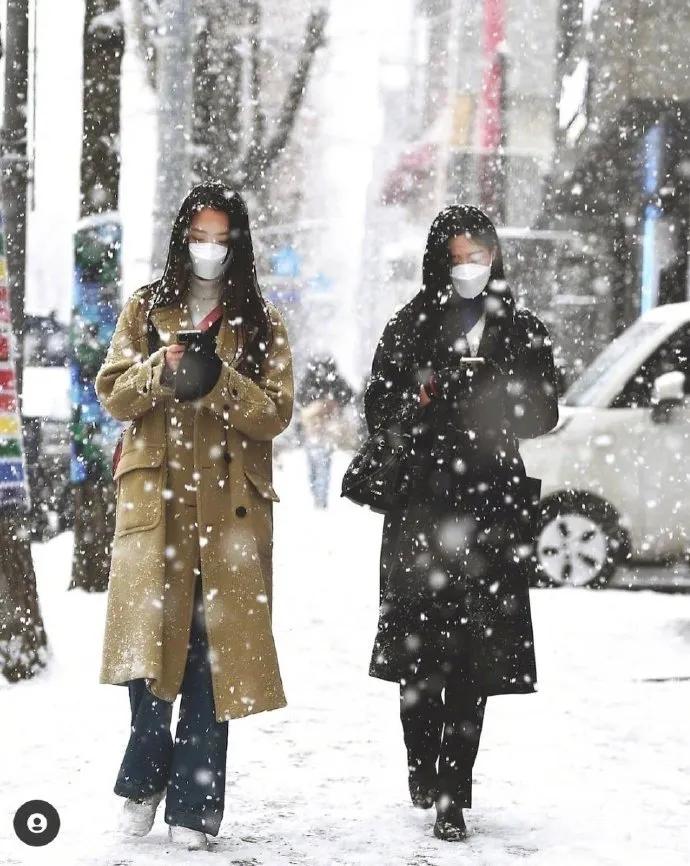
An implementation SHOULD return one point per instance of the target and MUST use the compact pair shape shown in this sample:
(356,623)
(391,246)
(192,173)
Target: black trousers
(192,769)
(442,717)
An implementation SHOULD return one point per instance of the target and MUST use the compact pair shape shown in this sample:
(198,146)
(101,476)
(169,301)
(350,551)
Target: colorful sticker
(14,490)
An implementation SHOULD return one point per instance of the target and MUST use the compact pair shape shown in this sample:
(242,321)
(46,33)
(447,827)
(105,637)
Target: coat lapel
(495,338)
(169,320)
(498,327)
(228,341)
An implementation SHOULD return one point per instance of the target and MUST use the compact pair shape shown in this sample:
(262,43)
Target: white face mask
(208,260)
(470,279)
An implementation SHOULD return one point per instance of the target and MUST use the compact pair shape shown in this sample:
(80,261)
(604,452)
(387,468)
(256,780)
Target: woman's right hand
(173,356)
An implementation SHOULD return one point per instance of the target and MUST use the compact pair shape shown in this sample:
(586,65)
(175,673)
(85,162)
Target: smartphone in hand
(187,338)
(193,341)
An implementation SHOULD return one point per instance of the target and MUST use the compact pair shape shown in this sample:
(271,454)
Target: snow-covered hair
(457,219)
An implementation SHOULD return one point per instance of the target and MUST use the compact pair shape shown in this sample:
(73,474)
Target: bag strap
(211,318)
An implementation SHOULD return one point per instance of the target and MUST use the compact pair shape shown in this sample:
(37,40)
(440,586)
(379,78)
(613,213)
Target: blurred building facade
(471,116)
(623,149)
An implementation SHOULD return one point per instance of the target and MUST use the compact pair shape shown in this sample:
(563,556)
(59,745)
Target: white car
(615,469)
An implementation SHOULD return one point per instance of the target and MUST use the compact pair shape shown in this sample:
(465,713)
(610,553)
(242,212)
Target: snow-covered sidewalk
(591,770)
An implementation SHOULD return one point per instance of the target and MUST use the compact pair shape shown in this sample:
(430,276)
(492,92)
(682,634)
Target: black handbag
(377,476)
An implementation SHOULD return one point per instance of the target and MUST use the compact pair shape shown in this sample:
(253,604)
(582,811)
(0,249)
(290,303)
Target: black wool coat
(455,558)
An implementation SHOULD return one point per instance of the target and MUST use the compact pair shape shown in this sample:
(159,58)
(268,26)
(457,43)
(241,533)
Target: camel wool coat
(230,431)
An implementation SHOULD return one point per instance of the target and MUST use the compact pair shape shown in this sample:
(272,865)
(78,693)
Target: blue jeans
(319,460)
(193,768)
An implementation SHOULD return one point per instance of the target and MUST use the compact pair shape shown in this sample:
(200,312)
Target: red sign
(494,34)
(6,380)
(8,402)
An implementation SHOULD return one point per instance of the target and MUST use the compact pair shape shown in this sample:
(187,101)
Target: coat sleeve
(261,410)
(532,385)
(128,385)
(392,393)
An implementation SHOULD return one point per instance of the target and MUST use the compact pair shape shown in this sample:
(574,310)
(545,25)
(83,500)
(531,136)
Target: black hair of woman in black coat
(455,559)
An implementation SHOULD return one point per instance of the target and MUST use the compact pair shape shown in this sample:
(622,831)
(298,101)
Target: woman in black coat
(455,613)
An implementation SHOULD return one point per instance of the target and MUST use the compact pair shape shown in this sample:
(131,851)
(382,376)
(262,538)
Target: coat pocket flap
(262,484)
(148,457)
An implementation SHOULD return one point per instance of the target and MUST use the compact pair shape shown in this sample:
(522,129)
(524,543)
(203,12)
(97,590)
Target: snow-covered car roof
(678,313)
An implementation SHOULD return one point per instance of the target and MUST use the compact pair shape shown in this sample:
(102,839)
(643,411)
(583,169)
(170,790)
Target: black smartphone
(188,338)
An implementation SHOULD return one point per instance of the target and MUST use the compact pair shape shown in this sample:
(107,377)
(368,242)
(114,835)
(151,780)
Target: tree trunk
(141,23)
(103,48)
(22,636)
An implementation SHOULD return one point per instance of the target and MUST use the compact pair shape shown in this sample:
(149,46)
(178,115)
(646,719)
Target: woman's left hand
(424,397)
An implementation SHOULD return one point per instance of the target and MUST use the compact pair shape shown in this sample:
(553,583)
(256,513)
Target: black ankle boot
(422,787)
(450,824)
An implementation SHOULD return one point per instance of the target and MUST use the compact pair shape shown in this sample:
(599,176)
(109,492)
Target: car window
(672,354)
(595,379)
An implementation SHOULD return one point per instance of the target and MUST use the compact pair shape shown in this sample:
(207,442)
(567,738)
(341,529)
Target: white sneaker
(137,819)
(192,840)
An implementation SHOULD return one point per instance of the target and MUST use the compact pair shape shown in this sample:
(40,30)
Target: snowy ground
(591,770)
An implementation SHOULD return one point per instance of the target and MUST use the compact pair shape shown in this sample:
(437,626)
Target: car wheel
(578,541)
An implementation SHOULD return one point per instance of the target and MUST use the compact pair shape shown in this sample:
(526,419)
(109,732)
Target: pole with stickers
(14,490)
(95,308)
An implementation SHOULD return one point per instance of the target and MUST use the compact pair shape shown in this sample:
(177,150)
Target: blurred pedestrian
(323,397)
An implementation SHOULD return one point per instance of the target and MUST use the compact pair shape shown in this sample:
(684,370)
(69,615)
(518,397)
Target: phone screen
(186,338)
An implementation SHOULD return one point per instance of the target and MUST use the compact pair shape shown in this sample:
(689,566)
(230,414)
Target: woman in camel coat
(190,594)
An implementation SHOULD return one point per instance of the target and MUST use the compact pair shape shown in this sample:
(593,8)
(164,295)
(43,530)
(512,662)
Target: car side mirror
(667,391)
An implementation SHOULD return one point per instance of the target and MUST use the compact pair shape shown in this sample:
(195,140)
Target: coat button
(240,511)
(226,456)
(226,408)
(234,392)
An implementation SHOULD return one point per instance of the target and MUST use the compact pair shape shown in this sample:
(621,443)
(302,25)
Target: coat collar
(499,318)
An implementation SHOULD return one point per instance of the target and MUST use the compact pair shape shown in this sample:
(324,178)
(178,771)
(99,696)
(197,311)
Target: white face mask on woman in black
(470,279)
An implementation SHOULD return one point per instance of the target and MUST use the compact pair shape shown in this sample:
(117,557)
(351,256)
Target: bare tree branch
(261,154)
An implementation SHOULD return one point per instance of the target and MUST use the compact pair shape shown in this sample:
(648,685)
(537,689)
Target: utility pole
(174,76)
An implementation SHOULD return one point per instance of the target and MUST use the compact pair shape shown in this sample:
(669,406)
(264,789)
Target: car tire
(578,541)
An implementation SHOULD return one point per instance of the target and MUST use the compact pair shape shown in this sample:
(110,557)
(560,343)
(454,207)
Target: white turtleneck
(474,335)
(202,297)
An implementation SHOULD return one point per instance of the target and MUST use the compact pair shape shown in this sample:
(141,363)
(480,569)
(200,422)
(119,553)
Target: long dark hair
(458,219)
(241,296)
